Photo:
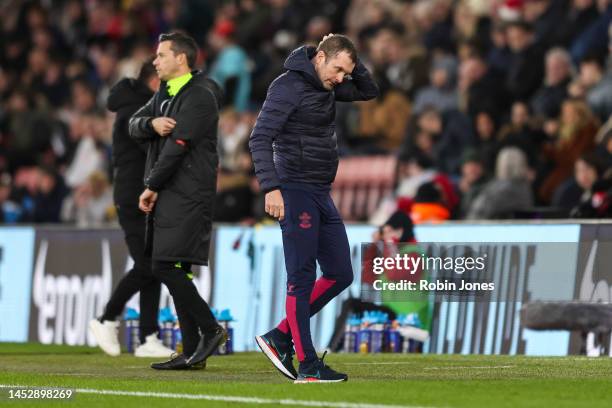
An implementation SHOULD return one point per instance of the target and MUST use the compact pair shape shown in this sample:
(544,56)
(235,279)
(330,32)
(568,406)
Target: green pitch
(248,380)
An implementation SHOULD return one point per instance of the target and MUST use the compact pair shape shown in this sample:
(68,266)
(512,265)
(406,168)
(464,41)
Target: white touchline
(225,398)
(430,368)
(467,367)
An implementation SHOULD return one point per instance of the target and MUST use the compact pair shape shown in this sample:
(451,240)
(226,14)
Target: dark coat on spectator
(548,99)
(525,73)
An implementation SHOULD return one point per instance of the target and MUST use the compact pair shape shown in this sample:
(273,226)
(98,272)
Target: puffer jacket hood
(300,61)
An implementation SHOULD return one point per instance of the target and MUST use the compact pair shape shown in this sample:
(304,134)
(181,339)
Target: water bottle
(132,331)
(378,326)
(394,339)
(413,320)
(365,334)
(224,318)
(167,322)
(350,335)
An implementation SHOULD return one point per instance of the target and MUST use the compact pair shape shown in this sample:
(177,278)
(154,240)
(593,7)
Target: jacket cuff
(154,189)
(359,68)
(149,125)
(268,189)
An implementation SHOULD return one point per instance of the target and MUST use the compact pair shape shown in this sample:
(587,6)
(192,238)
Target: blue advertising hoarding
(16,256)
(250,280)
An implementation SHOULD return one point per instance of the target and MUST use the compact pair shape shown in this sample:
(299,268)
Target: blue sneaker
(319,372)
(278,352)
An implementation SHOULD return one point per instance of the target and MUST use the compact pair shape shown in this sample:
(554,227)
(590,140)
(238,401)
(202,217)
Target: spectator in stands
(423,133)
(413,171)
(457,135)
(49,196)
(548,98)
(234,196)
(509,192)
(472,181)
(394,68)
(526,69)
(26,129)
(88,156)
(523,132)
(597,84)
(441,92)
(231,65)
(428,206)
(479,87)
(54,84)
(576,136)
(90,204)
(577,191)
(600,203)
(383,122)
(499,55)
(105,62)
(544,15)
(485,126)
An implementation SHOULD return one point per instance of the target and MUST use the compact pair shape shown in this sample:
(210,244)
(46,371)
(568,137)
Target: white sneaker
(153,347)
(107,336)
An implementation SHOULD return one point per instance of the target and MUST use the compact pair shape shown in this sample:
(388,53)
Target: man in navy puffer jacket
(295,155)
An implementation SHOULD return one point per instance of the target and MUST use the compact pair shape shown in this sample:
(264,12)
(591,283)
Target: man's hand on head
(275,206)
(163,125)
(325,38)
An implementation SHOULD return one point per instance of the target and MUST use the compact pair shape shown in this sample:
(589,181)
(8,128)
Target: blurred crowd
(493,108)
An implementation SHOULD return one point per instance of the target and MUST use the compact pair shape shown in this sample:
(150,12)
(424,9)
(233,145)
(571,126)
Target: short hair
(337,43)
(594,58)
(593,161)
(522,25)
(147,70)
(182,44)
(561,53)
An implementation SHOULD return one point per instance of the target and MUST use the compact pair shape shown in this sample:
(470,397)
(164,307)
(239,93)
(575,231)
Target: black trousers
(194,315)
(139,278)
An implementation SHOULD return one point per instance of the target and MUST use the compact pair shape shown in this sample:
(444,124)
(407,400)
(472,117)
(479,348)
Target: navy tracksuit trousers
(312,231)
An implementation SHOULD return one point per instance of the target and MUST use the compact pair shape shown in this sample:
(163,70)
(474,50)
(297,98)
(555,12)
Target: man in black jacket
(180,125)
(125,98)
(295,155)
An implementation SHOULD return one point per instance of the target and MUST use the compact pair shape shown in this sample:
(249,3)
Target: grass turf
(411,380)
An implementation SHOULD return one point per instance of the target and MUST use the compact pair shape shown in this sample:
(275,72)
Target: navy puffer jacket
(294,138)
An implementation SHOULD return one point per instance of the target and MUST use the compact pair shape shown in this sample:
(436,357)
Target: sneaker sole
(317,381)
(273,358)
(97,335)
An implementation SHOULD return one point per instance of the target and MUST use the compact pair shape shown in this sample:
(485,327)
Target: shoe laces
(174,356)
(322,357)
(324,367)
(290,349)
